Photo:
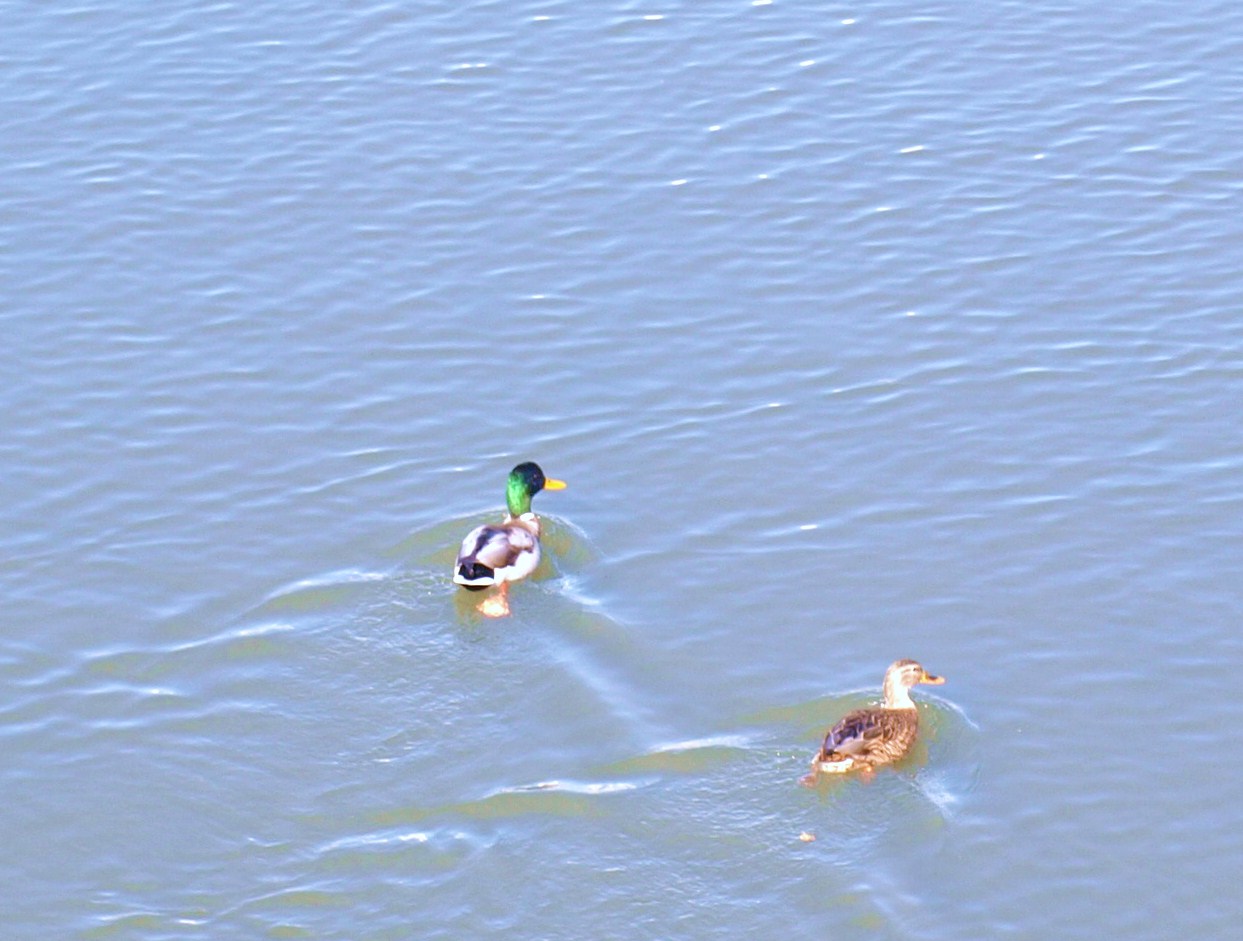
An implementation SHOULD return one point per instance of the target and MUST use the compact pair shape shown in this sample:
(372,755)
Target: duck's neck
(517,497)
(897,696)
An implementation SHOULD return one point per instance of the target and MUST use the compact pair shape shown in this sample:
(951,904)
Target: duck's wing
(874,735)
(495,546)
(853,734)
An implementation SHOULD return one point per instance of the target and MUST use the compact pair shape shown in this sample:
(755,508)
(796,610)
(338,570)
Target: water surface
(859,333)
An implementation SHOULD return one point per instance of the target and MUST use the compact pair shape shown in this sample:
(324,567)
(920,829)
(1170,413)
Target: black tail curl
(473,571)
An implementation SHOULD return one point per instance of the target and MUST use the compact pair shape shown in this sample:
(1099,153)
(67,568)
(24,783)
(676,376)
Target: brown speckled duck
(500,553)
(865,738)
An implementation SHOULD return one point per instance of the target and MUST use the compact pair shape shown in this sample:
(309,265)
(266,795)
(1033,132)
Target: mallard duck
(865,738)
(497,554)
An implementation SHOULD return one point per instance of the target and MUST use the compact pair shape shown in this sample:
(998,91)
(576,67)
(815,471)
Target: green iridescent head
(525,481)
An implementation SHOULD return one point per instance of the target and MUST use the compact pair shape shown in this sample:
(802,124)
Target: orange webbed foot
(496,606)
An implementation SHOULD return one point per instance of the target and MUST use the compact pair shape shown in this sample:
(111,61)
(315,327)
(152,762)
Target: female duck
(497,554)
(879,735)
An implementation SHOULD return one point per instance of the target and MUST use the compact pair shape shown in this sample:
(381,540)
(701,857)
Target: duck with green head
(500,553)
(878,735)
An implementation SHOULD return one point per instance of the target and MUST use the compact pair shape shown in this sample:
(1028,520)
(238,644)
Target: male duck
(865,738)
(497,554)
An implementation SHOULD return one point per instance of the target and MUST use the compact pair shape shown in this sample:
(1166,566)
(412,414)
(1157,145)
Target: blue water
(859,333)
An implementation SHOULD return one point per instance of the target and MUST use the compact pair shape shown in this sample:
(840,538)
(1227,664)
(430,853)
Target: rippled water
(859,332)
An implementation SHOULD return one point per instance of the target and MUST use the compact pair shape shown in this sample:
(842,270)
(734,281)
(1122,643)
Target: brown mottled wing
(871,735)
(850,736)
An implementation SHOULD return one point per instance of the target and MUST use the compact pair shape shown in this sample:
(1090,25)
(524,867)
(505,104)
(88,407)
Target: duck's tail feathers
(474,576)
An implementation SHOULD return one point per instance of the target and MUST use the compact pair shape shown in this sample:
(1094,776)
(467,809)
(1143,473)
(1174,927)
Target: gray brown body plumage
(871,736)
